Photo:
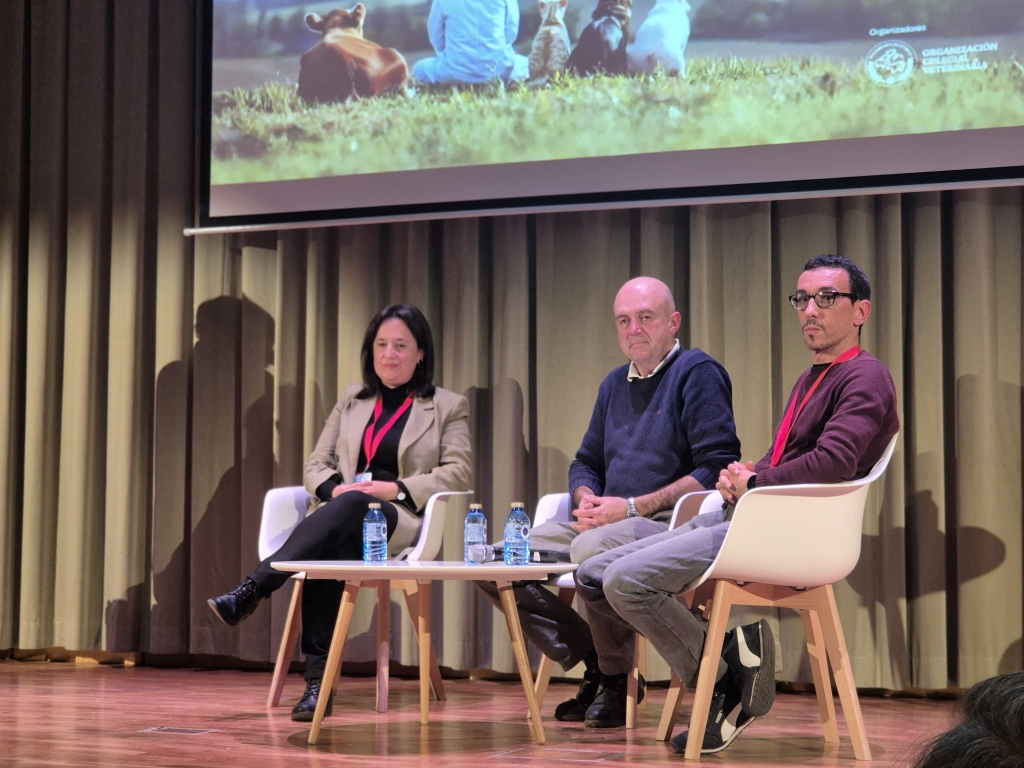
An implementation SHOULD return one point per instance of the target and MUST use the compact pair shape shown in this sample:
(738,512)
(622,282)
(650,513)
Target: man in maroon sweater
(839,419)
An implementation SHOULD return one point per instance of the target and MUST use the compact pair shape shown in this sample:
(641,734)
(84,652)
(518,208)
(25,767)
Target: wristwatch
(631,508)
(403,493)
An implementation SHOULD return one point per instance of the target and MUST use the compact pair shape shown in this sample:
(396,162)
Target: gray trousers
(553,626)
(633,587)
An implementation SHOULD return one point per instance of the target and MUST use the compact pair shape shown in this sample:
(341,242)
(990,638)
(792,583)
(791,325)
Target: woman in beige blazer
(395,439)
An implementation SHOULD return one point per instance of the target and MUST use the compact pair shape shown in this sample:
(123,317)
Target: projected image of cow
(317,90)
(344,65)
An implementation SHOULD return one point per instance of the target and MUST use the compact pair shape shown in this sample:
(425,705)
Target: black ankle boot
(303,711)
(575,709)
(609,707)
(238,604)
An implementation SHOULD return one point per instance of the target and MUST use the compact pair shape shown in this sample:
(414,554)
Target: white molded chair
(556,508)
(283,510)
(785,548)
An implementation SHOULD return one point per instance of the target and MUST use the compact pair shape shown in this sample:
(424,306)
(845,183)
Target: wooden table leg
(348,605)
(383,643)
(423,592)
(292,626)
(508,604)
(411,590)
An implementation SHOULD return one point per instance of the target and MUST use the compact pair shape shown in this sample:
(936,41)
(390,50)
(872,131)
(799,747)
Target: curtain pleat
(986,363)
(130,334)
(155,387)
(44,342)
(13,268)
(507,441)
(170,508)
(925,437)
(80,499)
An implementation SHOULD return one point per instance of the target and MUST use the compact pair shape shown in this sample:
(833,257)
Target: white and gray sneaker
(726,719)
(749,651)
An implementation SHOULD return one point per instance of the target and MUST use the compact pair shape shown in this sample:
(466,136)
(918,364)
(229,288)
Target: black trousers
(333,532)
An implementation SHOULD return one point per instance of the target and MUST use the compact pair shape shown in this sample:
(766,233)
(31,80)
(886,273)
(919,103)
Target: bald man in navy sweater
(662,427)
(840,417)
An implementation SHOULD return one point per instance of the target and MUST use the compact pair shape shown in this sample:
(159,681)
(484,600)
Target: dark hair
(990,732)
(422,383)
(859,285)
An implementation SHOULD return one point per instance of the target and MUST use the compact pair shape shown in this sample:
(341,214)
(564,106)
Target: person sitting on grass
(473,40)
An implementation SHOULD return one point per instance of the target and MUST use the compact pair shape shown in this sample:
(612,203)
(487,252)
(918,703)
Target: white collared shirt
(634,373)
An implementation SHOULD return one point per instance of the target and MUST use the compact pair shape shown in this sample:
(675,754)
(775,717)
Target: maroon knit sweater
(842,431)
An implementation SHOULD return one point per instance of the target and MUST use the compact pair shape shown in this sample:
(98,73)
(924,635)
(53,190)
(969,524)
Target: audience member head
(398,349)
(991,731)
(647,321)
(833,301)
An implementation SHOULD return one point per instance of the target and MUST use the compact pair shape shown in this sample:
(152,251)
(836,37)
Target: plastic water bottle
(375,536)
(517,536)
(476,529)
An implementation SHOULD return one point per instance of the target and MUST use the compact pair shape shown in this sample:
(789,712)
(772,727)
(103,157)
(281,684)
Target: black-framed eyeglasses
(823,298)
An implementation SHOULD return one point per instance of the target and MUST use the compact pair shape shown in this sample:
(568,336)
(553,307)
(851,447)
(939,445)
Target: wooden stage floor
(88,715)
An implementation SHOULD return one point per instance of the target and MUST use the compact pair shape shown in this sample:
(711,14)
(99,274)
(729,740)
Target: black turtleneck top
(385,461)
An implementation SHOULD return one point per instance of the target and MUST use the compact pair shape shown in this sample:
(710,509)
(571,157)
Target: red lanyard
(370,445)
(791,417)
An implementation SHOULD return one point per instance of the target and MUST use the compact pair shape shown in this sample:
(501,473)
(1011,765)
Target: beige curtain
(152,387)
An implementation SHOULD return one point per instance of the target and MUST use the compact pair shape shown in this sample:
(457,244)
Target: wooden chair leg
(285,653)
(708,668)
(671,711)
(348,606)
(412,602)
(641,667)
(835,643)
(383,643)
(633,681)
(547,666)
(822,681)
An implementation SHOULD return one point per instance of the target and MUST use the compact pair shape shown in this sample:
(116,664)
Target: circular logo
(891,62)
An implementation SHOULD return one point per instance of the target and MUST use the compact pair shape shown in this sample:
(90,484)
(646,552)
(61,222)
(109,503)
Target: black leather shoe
(238,604)
(609,707)
(574,710)
(303,711)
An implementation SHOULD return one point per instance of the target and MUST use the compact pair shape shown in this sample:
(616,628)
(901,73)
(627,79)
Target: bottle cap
(518,504)
(476,506)
(374,505)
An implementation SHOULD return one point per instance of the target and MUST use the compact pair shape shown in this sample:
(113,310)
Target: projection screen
(317,111)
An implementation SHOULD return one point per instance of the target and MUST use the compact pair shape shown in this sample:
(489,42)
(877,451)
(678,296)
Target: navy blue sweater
(647,433)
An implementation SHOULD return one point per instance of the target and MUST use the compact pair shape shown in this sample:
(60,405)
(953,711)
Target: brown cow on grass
(343,65)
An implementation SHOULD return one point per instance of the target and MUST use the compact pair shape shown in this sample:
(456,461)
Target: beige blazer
(434,451)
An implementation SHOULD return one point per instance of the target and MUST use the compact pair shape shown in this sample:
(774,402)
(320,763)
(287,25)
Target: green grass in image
(269,133)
